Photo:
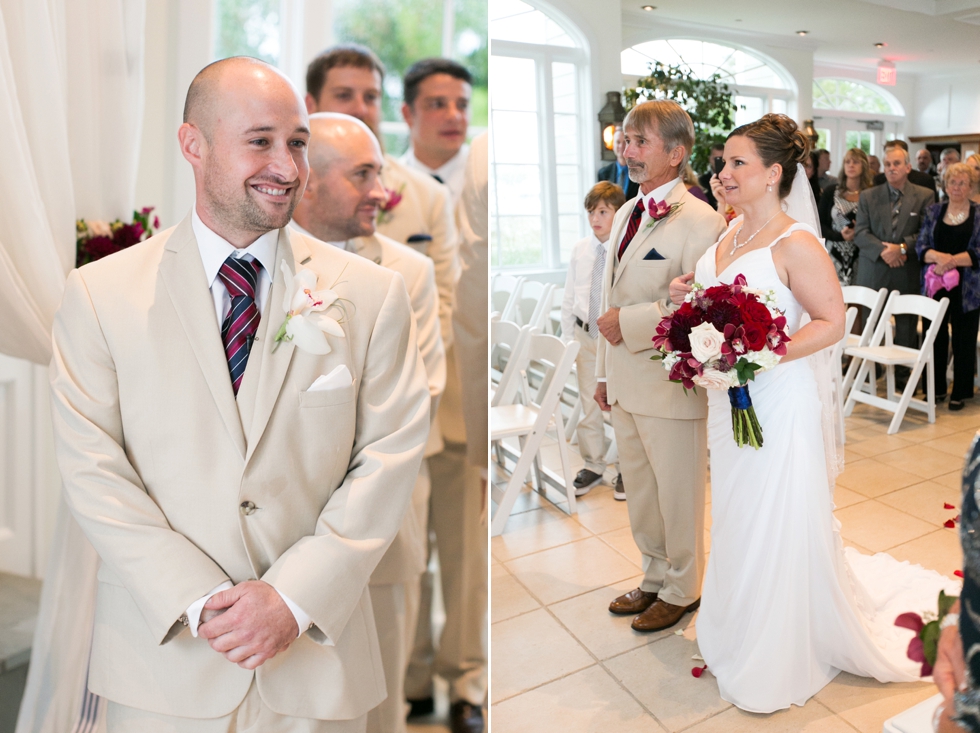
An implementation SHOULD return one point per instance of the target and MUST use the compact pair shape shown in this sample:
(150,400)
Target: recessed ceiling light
(648,8)
(802,33)
(880,45)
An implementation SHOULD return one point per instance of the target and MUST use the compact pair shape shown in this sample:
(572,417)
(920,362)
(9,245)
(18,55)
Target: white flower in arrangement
(714,379)
(670,359)
(696,288)
(706,342)
(307,322)
(765,359)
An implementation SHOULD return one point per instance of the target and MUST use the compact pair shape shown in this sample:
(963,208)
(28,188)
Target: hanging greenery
(710,103)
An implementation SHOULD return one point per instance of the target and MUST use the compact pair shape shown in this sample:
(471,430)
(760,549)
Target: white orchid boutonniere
(307,321)
(660,210)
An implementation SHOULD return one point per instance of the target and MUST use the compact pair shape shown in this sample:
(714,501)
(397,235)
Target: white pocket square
(339,377)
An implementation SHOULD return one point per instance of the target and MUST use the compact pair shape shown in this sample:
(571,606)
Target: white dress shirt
(214,251)
(578,285)
(657,194)
(452,172)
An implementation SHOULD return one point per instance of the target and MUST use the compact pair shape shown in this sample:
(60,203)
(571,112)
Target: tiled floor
(561,662)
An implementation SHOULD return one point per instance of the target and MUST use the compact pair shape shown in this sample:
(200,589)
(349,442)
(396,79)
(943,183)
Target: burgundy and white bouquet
(97,239)
(720,338)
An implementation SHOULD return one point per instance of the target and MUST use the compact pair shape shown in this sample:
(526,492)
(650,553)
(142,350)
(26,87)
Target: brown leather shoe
(662,615)
(636,601)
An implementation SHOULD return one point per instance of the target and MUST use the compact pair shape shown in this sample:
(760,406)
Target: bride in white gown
(784,607)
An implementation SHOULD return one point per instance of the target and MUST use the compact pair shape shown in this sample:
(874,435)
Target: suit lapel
(186,284)
(367,247)
(646,231)
(275,360)
(903,213)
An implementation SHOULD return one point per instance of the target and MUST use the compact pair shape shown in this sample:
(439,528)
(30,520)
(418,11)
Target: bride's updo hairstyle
(778,140)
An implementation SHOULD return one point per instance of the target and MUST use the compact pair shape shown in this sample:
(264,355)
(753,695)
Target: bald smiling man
(240,488)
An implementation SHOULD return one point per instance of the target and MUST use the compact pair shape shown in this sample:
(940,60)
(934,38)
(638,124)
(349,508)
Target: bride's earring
(769,188)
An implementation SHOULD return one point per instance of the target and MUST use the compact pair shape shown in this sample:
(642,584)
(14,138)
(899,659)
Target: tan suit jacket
(158,459)
(639,287)
(426,208)
(406,559)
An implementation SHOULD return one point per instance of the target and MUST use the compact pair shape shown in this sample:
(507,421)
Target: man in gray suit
(887,226)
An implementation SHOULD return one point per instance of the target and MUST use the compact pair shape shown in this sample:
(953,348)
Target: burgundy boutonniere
(660,210)
(394,198)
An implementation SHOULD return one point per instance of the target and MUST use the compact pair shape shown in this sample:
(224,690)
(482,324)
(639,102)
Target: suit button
(248,507)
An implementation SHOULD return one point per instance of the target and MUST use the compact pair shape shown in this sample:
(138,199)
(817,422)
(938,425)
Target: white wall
(946,105)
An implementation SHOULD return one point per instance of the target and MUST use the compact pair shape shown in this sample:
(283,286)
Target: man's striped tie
(595,291)
(631,227)
(242,322)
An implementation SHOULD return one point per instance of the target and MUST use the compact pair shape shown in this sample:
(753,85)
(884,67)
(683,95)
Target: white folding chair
(553,324)
(883,351)
(837,365)
(534,304)
(874,300)
(508,343)
(540,414)
(505,291)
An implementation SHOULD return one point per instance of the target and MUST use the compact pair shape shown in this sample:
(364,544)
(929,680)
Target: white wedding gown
(784,607)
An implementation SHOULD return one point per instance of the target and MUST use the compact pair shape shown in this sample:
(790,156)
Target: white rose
(713,379)
(706,341)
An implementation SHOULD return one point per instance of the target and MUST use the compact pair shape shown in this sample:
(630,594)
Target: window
(538,141)
(403,31)
(853,96)
(247,28)
(760,86)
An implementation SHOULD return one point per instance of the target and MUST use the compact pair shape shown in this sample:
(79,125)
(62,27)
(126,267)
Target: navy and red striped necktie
(631,227)
(242,322)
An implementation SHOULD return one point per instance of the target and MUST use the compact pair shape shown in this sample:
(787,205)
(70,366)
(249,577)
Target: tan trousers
(461,542)
(665,465)
(252,716)
(391,619)
(591,433)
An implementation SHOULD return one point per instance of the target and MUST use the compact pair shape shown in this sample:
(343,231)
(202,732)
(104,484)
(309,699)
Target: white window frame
(543,57)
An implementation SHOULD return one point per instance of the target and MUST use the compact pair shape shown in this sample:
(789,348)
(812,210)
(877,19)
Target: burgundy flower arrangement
(97,239)
(718,339)
(924,644)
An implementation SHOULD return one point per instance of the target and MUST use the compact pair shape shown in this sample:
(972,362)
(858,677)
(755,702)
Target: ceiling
(922,36)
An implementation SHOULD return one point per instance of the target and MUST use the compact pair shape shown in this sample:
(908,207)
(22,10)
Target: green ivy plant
(710,102)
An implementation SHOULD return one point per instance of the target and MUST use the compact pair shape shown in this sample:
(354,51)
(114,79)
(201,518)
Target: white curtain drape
(71,106)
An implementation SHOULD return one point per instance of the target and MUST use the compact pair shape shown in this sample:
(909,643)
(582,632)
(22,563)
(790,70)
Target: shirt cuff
(601,379)
(303,622)
(194,610)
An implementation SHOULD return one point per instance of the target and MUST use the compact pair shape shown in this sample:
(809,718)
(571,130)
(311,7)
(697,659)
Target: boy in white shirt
(579,311)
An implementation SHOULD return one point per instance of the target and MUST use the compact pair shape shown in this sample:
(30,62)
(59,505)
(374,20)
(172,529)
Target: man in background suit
(240,489)
(888,220)
(915,176)
(661,432)
(339,206)
(618,172)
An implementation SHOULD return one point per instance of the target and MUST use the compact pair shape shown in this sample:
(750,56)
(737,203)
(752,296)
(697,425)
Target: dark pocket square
(653,254)
(416,238)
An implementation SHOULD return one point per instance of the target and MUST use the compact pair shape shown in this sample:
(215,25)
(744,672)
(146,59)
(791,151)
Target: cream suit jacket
(406,558)
(639,287)
(426,208)
(159,461)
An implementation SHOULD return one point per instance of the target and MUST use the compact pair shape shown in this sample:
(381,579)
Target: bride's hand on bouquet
(680,287)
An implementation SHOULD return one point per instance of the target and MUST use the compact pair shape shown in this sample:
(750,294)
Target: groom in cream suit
(661,431)
(239,491)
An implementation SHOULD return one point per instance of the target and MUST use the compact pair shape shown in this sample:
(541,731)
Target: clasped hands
(892,254)
(249,624)
(943,262)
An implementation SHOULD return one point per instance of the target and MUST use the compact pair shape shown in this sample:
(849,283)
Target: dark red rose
(723,312)
(754,336)
(681,323)
(755,312)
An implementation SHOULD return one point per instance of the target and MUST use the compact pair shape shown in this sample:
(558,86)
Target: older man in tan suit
(240,488)
(339,206)
(661,432)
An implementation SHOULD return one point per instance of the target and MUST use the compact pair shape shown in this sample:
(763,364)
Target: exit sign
(887,75)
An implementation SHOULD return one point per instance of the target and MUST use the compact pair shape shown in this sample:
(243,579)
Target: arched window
(538,140)
(853,114)
(760,84)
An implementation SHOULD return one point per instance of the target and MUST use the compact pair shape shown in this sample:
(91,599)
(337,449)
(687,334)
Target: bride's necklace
(954,219)
(739,231)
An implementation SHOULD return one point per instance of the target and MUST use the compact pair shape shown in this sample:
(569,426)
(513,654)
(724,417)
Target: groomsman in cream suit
(339,206)
(661,431)
(239,488)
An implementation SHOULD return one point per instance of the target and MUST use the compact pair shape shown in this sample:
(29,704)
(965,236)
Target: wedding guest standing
(216,467)
(838,212)
(875,164)
(974,162)
(617,172)
(949,242)
(660,431)
(579,312)
(915,175)
(887,228)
